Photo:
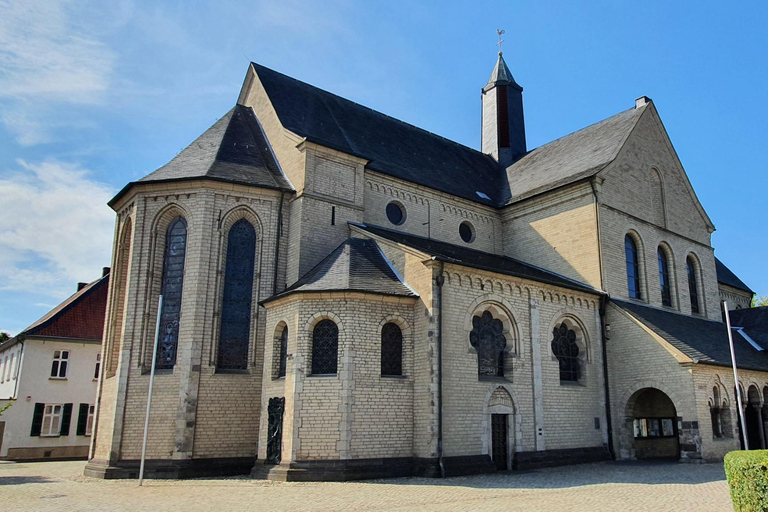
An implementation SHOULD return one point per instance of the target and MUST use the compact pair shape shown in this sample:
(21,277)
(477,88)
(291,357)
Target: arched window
(282,353)
(664,283)
(173,279)
(487,337)
(566,350)
(238,297)
(633,268)
(391,349)
(716,414)
(325,348)
(693,289)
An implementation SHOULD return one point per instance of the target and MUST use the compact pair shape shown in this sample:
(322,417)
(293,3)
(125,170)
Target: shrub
(747,474)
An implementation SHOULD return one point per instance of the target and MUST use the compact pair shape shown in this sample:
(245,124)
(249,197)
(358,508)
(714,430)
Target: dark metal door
(499,441)
(275,430)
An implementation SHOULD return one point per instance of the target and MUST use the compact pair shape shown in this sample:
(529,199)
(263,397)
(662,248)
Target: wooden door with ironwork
(499,441)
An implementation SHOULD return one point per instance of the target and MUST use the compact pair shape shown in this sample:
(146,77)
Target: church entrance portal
(499,441)
(275,430)
(654,425)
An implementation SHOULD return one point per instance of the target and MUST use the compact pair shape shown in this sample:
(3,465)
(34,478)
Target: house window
(566,350)
(693,289)
(325,348)
(89,421)
(283,362)
(391,349)
(238,297)
(97,369)
(633,268)
(666,295)
(173,280)
(52,420)
(11,374)
(487,338)
(3,368)
(59,364)
(654,428)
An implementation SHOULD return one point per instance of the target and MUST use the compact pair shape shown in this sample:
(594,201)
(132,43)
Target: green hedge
(747,474)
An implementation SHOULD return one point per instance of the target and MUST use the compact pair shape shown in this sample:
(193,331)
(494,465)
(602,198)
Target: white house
(49,373)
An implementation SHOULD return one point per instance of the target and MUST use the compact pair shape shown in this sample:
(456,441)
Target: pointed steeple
(503,135)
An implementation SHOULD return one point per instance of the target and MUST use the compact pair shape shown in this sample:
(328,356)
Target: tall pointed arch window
(173,280)
(238,297)
(283,353)
(633,267)
(664,283)
(693,288)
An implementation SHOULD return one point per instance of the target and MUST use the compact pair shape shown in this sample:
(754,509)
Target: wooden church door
(499,441)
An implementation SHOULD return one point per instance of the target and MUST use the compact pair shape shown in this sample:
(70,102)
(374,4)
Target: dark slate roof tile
(725,276)
(704,341)
(450,253)
(355,265)
(754,321)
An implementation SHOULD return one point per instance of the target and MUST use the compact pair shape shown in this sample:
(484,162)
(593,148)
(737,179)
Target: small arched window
(282,353)
(566,350)
(173,280)
(391,349)
(664,283)
(487,337)
(716,413)
(633,267)
(693,288)
(238,297)
(325,348)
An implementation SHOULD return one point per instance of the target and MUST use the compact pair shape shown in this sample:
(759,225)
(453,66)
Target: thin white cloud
(55,230)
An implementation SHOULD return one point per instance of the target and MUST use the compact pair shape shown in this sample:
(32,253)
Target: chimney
(503,132)
(104,271)
(80,286)
(642,101)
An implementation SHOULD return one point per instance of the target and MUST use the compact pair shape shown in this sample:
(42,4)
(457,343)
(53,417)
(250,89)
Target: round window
(395,213)
(467,232)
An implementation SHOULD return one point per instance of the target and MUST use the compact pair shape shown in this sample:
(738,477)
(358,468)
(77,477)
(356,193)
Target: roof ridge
(665,310)
(377,112)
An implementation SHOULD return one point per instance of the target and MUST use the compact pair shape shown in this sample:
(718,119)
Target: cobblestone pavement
(60,486)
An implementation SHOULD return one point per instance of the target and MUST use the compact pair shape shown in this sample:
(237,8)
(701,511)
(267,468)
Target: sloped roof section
(501,75)
(726,277)
(754,321)
(450,253)
(356,265)
(704,341)
(391,146)
(568,159)
(81,316)
(234,149)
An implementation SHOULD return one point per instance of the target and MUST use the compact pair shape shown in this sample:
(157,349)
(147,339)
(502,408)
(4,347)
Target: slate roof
(355,265)
(450,253)
(725,276)
(233,150)
(704,341)
(392,147)
(754,321)
(81,316)
(569,159)
(501,75)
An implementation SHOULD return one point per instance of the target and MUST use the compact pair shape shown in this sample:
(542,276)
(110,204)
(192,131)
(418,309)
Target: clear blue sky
(96,94)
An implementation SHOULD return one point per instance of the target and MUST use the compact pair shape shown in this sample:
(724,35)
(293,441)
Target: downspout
(439,281)
(278,233)
(603,300)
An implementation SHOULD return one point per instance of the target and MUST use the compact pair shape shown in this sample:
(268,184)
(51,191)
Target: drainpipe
(278,233)
(439,280)
(609,425)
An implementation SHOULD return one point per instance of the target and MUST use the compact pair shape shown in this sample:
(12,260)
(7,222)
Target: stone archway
(652,425)
(753,419)
(502,432)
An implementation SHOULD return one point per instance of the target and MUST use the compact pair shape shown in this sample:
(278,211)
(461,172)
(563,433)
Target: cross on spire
(500,32)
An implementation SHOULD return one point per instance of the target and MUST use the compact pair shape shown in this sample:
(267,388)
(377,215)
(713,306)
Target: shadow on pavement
(18,480)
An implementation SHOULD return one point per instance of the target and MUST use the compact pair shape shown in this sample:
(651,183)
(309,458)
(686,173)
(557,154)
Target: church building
(348,296)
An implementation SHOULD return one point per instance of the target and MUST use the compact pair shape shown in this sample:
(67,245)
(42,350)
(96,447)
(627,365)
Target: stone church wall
(737,299)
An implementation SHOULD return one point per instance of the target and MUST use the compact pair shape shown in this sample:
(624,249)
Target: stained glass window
(693,289)
(633,268)
(566,351)
(666,296)
(391,349)
(487,338)
(238,297)
(325,348)
(283,353)
(173,278)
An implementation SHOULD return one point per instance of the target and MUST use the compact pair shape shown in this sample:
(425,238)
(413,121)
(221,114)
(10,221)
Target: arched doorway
(654,425)
(753,419)
(503,427)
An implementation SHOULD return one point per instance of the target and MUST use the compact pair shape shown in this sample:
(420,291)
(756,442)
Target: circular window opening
(395,213)
(467,232)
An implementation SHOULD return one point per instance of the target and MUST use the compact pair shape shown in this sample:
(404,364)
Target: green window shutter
(37,420)
(82,419)
(66,419)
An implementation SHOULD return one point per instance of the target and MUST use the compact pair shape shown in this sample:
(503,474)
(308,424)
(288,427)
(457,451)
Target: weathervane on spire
(500,32)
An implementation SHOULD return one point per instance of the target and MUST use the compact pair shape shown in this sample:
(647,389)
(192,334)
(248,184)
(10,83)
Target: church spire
(503,134)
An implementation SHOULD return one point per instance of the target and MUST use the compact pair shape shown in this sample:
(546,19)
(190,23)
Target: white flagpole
(149,393)
(736,378)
